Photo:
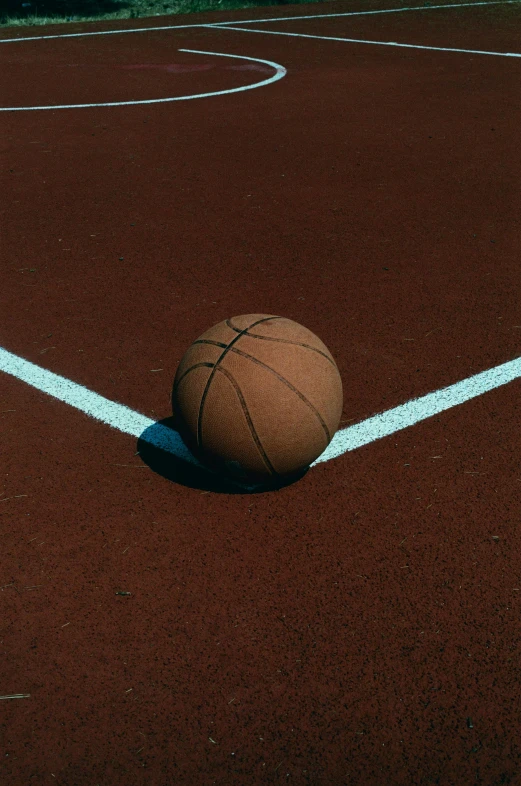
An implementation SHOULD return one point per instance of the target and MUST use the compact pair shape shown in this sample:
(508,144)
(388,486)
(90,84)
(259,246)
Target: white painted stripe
(95,32)
(16,696)
(362,13)
(95,406)
(419,409)
(374,428)
(280,72)
(253,21)
(374,43)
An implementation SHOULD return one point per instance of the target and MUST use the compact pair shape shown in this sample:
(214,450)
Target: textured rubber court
(359,174)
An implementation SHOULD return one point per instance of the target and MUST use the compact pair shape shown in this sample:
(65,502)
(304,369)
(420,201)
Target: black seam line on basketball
(249,421)
(292,343)
(197,365)
(245,330)
(291,387)
(212,375)
(282,341)
(213,343)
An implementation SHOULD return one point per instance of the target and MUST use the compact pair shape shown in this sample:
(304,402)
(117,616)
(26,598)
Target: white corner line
(280,72)
(122,31)
(419,409)
(374,43)
(118,416)
(126,420)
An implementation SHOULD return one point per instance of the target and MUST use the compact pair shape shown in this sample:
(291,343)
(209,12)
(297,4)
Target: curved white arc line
(280,73)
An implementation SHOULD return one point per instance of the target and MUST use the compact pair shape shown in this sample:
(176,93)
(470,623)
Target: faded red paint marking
(250,67)
(170,68)
(184,68)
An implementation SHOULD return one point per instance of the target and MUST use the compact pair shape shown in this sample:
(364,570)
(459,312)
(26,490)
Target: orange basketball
(259,396)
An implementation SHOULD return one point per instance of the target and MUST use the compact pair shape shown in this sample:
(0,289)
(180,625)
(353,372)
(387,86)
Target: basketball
(258,397)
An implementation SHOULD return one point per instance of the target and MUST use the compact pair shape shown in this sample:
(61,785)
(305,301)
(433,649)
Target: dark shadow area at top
(69,9)
(163,450)
(62,9)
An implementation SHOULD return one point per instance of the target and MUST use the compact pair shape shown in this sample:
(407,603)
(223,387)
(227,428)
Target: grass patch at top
(43,12)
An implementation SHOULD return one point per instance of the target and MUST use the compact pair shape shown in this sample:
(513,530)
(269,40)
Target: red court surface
(360,626)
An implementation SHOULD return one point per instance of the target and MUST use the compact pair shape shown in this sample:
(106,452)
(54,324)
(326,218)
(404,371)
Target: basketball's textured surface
(258,395)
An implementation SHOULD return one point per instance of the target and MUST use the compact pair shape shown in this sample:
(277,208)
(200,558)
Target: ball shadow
(161,448)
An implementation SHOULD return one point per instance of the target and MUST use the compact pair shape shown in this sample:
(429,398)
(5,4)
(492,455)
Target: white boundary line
(280,73)
(374,43)
(367,13)
(374,428)
(96,32)
(95,406)
(419,409)
(377,427)
(254,21)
